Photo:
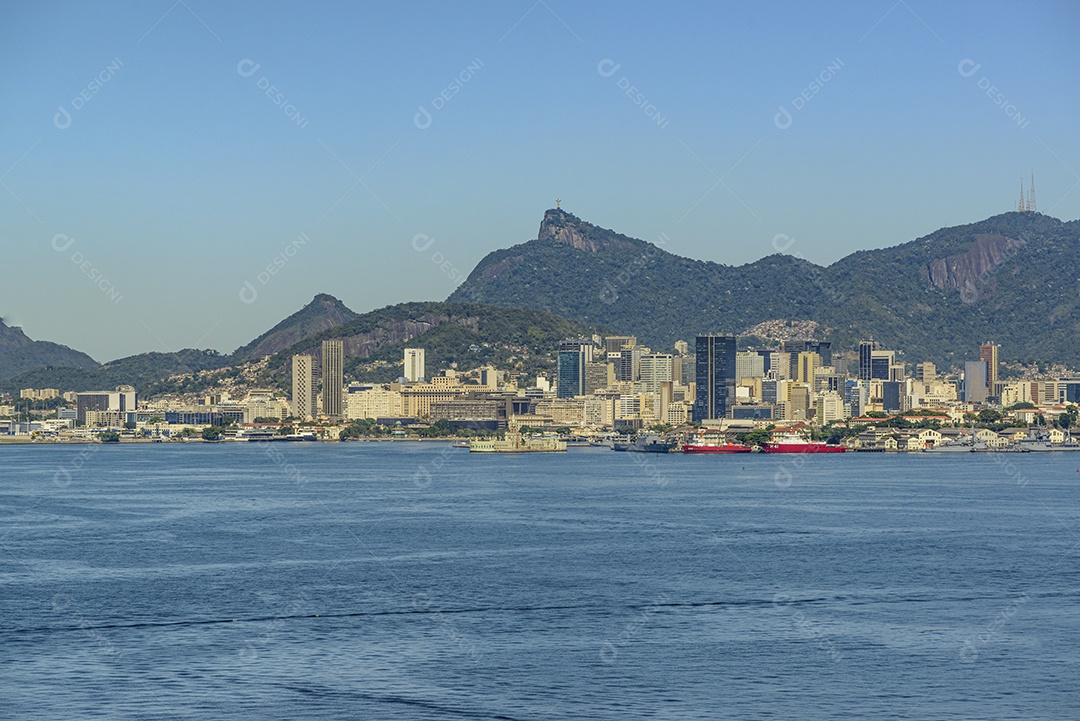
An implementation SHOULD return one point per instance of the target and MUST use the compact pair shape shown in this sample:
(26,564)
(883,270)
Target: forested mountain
(1013,278)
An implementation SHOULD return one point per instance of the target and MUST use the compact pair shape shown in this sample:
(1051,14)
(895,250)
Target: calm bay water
(416,581)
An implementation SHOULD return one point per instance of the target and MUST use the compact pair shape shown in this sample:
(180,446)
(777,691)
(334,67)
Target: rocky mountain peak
(564,228)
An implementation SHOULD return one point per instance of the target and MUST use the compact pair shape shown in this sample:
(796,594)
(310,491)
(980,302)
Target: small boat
(645,443)
(459,444)
(794,443)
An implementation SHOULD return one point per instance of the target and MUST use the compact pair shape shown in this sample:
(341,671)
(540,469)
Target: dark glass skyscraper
(715,376)
(866,355)
(573,356)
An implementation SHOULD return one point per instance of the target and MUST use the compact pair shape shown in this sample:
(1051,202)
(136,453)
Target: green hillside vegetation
(139,370)
(465,334)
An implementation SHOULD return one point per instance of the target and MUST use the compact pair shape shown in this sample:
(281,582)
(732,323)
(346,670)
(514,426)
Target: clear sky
(157,156)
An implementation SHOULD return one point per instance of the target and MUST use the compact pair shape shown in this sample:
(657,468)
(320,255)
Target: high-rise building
(892,393)
(866,354)
(656,368)
(795,347)
(926,372)
(856,396)
(976,389)
(749,364)
(715,374)
(797,407)
(807,363)
(627,363)
(598,376)
(574,355)
(881,363)
(333,380)
(414,365)
(682,347)
(121,400)
(688,370)
(989,352)
(303,387)
(830,408)
(615,343)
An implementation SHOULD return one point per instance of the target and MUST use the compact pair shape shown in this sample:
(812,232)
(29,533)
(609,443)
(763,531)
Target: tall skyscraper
(656,368)
(574,355)
(989,352)
(303,387)
(866,354)
(333,380)
(807,364)
(715,376)
(975,382)
(414,365)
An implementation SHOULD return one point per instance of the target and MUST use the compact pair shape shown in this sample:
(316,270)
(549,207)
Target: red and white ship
(794,443)
(703,444)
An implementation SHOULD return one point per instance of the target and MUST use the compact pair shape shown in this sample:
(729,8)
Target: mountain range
(1012,278)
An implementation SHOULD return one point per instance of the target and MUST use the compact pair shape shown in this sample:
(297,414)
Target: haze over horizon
(142,147)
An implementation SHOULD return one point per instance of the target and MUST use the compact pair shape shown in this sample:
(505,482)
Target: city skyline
(251,153)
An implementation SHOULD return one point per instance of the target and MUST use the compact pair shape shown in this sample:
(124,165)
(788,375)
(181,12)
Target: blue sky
(149,178)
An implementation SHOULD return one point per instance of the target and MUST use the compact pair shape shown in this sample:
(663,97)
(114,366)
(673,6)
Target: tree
(212,433)
(109,437)
(754,438)
(989,415)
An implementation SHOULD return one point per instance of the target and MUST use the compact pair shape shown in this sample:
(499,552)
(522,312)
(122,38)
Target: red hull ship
(715,448)
(791,443)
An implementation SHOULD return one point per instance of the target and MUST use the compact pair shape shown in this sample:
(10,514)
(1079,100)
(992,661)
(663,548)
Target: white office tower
(414,365)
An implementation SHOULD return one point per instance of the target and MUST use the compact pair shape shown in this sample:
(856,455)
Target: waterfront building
(121,400)
(366,400)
